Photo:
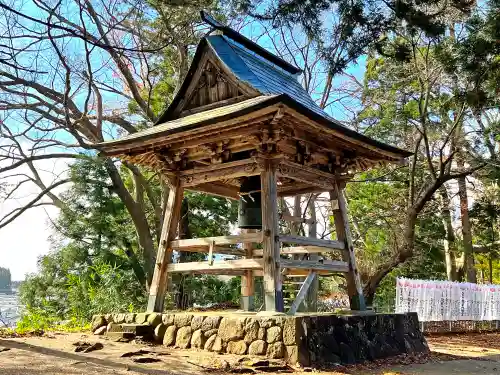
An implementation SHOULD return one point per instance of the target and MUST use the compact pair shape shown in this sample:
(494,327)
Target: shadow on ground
(78,361)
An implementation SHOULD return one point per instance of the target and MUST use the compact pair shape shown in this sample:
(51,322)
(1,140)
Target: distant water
(9,310)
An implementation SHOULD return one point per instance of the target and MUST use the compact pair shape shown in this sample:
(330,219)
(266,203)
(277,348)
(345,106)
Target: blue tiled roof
(260,73)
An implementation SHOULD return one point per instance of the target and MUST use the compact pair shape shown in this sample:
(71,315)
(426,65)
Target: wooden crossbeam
(294,250)
(302,293)
(218,189)
(297,272)
(308,175)
(217,172)
(221,240)
(222,265)
(312,242)
(332,266)
(216,250)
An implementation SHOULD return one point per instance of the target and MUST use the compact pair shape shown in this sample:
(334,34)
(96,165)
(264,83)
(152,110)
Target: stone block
(290,332)
(292,354)
(251,331)
(141,318)
(138,329)
(196,322)
(210,322)
(182,320)
(167,319)
(119,318)
(183,338)
(198,339)
(114,327)
(154,319)
(275,350)
(214,344)
(100,331)
(262,334)
(98,321)
(210,333)
(266,322)
(170,334)
(130,318)
(159,332)
(236,347)
(257,347)
(273,334)
(231,329)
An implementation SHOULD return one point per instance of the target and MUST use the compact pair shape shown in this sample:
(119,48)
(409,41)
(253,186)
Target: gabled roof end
(247,43)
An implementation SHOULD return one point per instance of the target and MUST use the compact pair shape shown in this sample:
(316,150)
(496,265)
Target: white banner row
(445,300)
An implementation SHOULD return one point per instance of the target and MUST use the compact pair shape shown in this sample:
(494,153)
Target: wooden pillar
(311,300)
(273,291)
(339,207)
(247,280)
(163,257)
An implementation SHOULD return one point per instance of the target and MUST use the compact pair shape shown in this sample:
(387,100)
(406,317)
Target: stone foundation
(309,340)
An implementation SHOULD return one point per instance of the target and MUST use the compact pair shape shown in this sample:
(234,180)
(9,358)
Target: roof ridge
(236,36)
(247,51)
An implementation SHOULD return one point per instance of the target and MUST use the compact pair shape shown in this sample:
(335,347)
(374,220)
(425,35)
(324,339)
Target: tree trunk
(138,218)
(449,240)
(404,253)
(466,228)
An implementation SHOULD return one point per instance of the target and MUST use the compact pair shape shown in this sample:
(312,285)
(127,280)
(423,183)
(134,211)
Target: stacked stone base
(309,340)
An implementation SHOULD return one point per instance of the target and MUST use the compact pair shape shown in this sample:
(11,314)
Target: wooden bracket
(302,292)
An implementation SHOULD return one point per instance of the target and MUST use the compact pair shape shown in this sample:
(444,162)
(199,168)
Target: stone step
(137,329)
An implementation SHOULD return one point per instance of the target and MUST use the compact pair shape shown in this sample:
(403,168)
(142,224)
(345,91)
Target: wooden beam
(273,291)
(158,287)
(217,172)
(290,190)
(216,250)
(331,266)
(221,240)
(303,173)
(220,265)
(341,220)
(302,292)
(218,189)
(297,272)
(312,242)
(297,250)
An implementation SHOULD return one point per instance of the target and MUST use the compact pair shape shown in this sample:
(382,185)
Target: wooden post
(311,301)
(339,208)
(273,291)
(168,232)
(247,280)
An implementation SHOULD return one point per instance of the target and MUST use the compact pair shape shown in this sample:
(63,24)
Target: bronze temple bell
(249,205)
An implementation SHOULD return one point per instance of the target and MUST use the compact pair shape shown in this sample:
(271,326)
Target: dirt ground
(54,353)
